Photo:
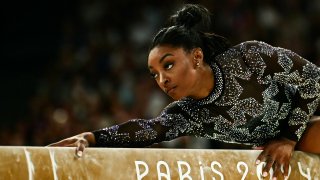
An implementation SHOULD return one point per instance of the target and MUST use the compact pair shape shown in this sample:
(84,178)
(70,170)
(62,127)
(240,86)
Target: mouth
(170,90)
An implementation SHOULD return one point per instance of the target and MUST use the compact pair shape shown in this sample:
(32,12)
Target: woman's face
(174,70)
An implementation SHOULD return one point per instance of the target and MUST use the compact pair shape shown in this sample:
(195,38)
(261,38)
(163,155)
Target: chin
(176,98)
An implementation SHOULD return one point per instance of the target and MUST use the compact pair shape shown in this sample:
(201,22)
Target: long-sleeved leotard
(260,93)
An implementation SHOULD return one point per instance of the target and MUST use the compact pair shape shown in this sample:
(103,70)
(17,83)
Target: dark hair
(190,28)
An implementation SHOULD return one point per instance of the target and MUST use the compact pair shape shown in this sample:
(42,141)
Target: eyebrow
(162,58)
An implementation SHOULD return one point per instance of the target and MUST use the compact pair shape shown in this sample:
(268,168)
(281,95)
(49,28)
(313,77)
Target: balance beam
(17,162)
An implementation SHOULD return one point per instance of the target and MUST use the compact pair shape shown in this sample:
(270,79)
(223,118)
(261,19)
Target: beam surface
(18,162)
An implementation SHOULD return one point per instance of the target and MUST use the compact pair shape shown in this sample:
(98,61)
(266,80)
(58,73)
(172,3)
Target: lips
(169,89)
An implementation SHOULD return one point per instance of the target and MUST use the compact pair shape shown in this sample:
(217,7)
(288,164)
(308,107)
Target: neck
(206,82)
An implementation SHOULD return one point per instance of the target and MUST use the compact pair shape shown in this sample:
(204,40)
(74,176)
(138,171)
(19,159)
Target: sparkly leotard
(260,93)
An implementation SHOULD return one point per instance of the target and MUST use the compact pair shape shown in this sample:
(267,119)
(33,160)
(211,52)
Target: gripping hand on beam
(80,141)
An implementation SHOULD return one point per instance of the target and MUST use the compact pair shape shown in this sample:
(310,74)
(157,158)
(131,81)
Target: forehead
(159,51)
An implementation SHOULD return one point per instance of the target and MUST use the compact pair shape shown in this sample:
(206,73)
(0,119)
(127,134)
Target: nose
(163,80)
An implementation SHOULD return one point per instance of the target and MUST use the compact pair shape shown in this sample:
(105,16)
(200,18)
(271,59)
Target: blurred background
(74,66)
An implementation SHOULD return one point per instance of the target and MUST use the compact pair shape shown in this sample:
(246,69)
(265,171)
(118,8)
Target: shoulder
(171,108)
(183,106)
(253,43)
(255,46)
(248,48)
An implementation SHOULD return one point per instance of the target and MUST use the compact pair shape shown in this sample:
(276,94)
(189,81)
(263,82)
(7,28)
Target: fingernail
(265,174)
(79,153)
(285,177)
(274,178)
(257,162)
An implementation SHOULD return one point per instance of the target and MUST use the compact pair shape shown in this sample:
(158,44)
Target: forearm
(133,133)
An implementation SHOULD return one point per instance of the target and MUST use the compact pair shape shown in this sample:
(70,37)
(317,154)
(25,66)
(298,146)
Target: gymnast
(251,93)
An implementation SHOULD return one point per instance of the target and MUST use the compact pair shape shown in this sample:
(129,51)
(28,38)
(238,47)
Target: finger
(261,157)
(277,170)
(71,145)
(286,169)
(64,142)
(258,148)
(57,144)
(52,145)
(80,148)
(268,166)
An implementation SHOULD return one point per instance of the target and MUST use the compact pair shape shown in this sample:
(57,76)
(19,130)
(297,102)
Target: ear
(197,57)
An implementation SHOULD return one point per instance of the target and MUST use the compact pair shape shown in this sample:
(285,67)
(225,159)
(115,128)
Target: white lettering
(146,171)
(308,176)
(29,163)
(241,163)
(160,174)
(184,170)
(185,175)
(213,163)
(201,171)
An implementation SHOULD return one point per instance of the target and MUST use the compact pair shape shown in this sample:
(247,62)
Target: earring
(197,64)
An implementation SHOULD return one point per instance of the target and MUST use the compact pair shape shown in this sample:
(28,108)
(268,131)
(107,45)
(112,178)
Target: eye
(153,75)
(168,66)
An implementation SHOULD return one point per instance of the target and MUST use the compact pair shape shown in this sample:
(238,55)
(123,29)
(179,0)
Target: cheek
(187,73)
(184,70)
(186,78)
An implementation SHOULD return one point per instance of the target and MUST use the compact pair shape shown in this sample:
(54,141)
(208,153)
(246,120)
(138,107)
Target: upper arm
(279,64)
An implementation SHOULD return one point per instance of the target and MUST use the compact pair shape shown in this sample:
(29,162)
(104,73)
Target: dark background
(73,66)
(31,35)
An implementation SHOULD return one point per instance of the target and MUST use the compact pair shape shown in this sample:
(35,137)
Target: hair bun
(192,16)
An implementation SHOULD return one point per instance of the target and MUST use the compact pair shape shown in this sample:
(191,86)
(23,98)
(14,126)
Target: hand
(276,153)
(80,141)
